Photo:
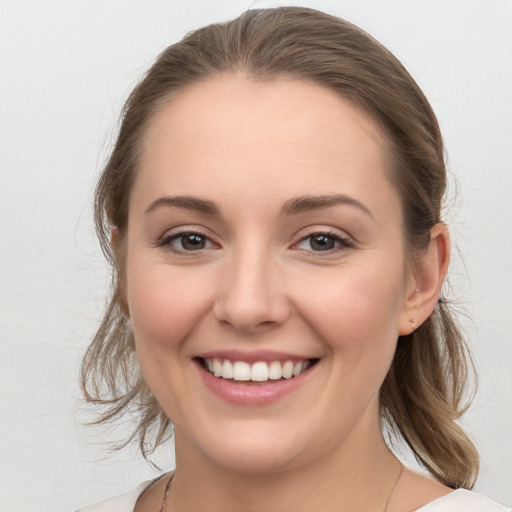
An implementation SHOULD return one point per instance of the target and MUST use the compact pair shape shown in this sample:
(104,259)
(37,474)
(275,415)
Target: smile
(260,371)
(250,379)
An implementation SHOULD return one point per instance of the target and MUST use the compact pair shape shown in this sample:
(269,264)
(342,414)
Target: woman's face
(265,241)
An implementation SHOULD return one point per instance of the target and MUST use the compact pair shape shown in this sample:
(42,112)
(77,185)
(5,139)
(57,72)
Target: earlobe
(429,271)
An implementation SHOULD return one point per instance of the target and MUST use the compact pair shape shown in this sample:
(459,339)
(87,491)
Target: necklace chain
(386,504)
(166,493)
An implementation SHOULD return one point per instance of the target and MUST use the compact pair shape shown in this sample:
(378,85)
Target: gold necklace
(386,504)
(166,493)
(394,487)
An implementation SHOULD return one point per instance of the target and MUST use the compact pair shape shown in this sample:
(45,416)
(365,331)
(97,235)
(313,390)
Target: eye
(323,242)
(186,241)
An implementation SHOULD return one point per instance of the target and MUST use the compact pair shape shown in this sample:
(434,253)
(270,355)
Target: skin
(259,284)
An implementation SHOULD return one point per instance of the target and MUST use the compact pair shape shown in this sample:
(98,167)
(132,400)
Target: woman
(272,212)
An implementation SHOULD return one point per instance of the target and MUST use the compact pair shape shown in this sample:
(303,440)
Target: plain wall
(66,66)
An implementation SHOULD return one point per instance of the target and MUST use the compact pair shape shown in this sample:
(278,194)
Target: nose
(251,298)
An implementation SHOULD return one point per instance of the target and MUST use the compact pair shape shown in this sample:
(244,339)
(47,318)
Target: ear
(424,284)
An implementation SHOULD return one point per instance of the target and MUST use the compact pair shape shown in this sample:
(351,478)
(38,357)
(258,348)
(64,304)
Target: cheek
(164,305)
(356,317)
(354,309)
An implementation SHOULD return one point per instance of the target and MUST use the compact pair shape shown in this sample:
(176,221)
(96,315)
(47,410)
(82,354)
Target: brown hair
(422,395)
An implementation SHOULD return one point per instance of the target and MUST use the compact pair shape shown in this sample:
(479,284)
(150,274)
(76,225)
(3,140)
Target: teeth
(217,368)
(241,371)
(275,371)
(227,370)
(258,372)
(288,370)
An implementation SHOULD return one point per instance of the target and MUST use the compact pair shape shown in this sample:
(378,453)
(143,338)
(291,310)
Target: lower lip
(248,393)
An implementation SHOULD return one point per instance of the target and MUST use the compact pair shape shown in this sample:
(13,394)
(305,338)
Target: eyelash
(344,243)
(166,240)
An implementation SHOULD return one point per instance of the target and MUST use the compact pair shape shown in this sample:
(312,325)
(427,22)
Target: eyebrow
(308,203)
(188,202)
(291,207)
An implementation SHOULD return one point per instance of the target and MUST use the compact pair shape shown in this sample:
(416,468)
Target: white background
(65,68)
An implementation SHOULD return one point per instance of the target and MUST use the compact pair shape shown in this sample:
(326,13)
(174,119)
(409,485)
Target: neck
(358,476)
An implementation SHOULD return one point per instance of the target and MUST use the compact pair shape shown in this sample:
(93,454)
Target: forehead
(234,133)
(228,102)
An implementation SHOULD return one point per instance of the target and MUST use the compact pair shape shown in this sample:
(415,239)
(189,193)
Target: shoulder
(463,500)
(122,503)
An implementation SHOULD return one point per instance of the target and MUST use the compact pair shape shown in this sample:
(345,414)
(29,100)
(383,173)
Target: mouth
(258,371)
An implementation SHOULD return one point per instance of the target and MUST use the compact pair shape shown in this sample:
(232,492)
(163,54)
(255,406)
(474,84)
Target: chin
(260,459)
(255,448)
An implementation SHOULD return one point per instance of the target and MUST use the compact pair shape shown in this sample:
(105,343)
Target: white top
(460,500)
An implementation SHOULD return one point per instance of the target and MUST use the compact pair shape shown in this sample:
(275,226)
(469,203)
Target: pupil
(193,242)
(322,243)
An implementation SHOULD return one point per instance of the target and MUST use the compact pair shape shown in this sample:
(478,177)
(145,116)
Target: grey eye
(322,242)
(186,241)
(192,242)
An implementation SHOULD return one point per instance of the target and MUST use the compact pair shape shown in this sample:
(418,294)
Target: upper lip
(253,356)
